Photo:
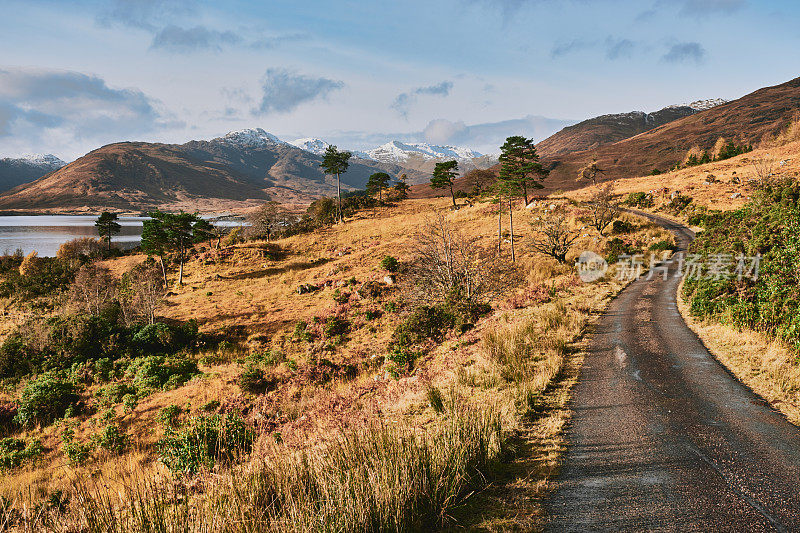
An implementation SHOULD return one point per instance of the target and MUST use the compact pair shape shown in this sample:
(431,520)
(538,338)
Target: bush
(15,452)
(336,326)
(45,398)
(678,204)
(639,199)
(253,380)
(160,373)
(169,415)
(662,246)
(617,247)
(621,226)
(390,263)
(160,338)
(113,439)
(204,441)
(78,453)
(115,392)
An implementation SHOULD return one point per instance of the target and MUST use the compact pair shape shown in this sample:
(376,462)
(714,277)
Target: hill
(751,119)
(234,171)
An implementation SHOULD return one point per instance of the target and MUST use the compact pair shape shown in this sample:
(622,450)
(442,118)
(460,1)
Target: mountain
(318,147)
(748,120)
(239,169)
(398,152)
(594,132)
(16,171)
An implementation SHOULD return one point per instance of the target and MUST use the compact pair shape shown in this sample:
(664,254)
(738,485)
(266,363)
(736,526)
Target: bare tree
(552,235)
(449,266)
(602,211)
(140,293)
(764,169)
(590,172)
(265,220)
(93,289)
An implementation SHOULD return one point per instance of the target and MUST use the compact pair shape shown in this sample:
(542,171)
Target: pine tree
(377,182)
(443,175)
(107,226)
(519,163)
(336,163)
(401,188)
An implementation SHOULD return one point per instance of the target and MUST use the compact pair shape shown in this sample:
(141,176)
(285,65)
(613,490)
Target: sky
(75,75)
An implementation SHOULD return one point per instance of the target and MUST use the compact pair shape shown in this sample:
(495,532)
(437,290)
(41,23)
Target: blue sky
(76,75)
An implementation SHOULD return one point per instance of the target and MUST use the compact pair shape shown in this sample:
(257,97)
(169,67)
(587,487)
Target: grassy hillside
(363,401)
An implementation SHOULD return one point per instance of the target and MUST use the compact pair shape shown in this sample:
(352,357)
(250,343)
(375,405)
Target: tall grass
(380,478)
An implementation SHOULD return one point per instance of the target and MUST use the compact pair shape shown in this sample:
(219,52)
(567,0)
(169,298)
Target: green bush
(205,440)
(390,263)
(114,392)
(639,199)
(77,452)
(253,380)
(112,439)
(45,398)
(15,452)
(664,245)
(157,372)
(169,415)
(616,247)
(335,325)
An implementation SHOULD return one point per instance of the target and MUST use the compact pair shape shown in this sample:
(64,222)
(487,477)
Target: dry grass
(765,365)
(513,373)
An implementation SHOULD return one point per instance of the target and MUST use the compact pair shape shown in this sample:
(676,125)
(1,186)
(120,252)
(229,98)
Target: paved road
(664,438)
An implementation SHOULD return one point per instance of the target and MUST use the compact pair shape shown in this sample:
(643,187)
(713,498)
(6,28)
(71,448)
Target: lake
(45,233)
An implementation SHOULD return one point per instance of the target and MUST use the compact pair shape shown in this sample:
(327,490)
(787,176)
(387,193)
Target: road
(663,437)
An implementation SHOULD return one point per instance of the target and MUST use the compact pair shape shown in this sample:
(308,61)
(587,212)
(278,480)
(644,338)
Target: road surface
(663,437)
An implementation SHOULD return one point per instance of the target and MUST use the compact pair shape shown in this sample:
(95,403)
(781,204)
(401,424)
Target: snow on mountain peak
(311,144)
(249,137)
(702,105)
(396,151)
(47,161)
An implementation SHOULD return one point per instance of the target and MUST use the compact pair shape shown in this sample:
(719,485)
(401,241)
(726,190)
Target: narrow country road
(663,437)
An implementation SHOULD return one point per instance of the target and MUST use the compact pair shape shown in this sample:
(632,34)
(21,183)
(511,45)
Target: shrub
(160,373)
(664,245)
(639,199)
(15,452)
(678,204)
(169,415)
(435,399)
(336,326)
(390,263)
(621,226)
(253,380)
(112,439)
(204,441)
(115,392)
(45,398)
(617,247)
(77,452)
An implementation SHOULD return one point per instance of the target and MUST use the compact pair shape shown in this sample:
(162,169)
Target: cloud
(403,102)
(72,105)
(269,43)
(177,39)
(566,48)
(708,7)
(619,48)
(144,14)
(685,52)
(284,90)
(489,136)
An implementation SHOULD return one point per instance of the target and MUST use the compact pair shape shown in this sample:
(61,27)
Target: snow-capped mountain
(318,147)
(43,161)
(702,105)
(20,170)
(249,138)
(399,152)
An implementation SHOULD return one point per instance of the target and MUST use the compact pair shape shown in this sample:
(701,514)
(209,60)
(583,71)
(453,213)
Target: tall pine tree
(335,163)
(519,163)
(443,175)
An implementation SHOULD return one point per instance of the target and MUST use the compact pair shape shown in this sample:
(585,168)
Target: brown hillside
(748,120)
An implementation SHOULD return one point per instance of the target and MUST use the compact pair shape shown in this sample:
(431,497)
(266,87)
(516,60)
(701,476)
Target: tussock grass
(379,478)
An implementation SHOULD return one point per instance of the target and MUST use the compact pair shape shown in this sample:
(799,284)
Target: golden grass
(768,367)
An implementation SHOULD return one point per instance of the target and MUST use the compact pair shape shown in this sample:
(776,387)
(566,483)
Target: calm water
(46,233)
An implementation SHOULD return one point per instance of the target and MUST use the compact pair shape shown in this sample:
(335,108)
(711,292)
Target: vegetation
(171,233)
(335,163)
(107,226)
(768,301)
(443,175)
(377,183)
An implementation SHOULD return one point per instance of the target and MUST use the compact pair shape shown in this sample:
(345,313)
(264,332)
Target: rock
(390,279)
(736,195)
(307,288)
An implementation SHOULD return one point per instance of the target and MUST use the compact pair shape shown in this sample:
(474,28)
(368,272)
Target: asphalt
(663,437)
